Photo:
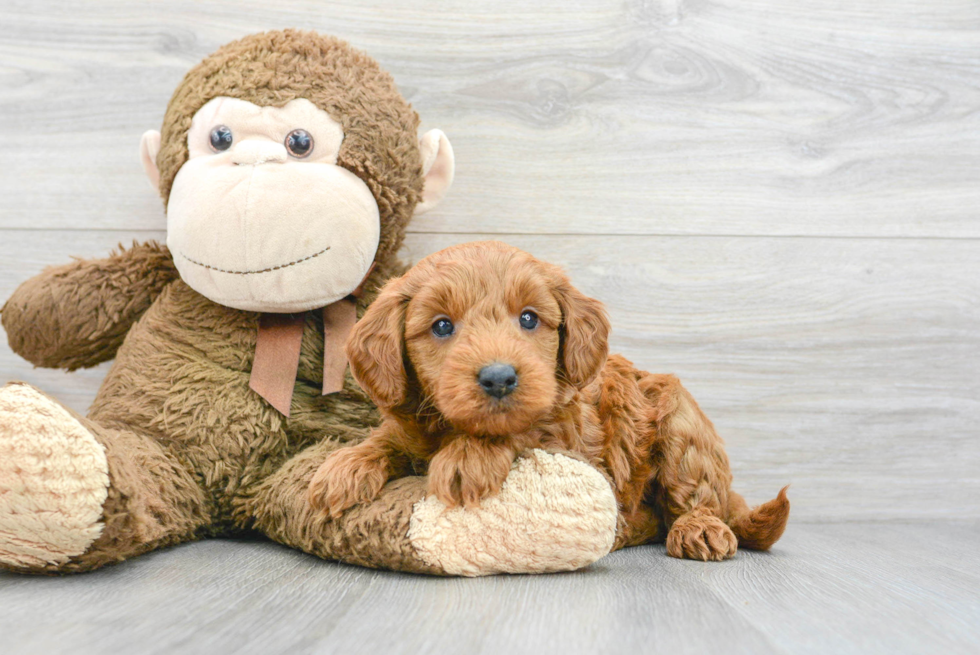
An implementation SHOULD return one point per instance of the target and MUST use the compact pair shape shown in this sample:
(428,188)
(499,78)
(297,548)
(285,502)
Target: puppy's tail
(760,527)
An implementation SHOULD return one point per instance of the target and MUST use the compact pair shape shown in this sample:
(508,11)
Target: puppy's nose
(498,380)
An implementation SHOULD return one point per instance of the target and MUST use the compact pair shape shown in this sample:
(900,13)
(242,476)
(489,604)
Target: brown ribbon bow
(278,346)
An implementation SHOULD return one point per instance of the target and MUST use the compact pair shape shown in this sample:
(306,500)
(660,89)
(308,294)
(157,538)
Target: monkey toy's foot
(53,481)
(554,513)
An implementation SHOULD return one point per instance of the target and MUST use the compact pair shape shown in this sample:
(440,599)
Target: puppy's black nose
(498,380)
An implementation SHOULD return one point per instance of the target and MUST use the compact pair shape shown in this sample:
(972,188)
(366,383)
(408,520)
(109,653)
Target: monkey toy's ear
(375,348)
(149,148)
(438,168)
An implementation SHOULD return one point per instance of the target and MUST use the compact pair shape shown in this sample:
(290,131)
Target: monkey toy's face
(261,209)
(261,217)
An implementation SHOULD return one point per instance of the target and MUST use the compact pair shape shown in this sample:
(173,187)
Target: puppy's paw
(468,471)
(446,485)
(348,477)
(703,537)
(455,488)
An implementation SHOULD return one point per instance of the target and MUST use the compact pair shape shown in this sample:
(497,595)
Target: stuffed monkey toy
(289,166)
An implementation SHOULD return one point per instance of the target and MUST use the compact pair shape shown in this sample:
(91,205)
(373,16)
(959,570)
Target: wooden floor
(834,588)
(778,201)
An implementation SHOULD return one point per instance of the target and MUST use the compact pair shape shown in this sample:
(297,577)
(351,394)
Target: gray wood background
(825,589)
(778,201)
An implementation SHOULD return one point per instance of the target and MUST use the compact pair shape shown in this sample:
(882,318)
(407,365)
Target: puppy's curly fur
(667,465)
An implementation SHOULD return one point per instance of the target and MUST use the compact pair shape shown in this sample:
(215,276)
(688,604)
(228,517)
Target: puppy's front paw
(455,488)
(467,471)
(706,538)
(348,477)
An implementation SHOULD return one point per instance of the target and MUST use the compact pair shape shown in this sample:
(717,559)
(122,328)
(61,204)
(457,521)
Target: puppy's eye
(443,327)
(221,138)
(299,143)
(529,320)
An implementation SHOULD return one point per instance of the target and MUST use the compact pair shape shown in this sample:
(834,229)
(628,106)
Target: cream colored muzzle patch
(54,479)
(554,513)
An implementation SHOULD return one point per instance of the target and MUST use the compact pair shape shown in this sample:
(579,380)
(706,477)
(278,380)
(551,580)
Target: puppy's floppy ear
(584,332)
(375,348)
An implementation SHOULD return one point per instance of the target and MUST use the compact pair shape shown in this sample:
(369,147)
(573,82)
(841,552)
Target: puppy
(481,352)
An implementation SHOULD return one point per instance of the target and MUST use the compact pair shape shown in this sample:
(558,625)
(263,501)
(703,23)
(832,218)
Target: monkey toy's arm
(77,315)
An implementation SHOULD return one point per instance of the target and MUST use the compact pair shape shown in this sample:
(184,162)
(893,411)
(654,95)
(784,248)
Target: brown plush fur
(668,467)
(91,326)
(192,451)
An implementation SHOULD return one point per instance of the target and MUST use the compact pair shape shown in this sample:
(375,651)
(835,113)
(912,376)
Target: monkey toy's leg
(555,513)
(75,495)
(706,519)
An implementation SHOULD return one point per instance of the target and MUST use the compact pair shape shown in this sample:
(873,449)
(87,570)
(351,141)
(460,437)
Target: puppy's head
(483,332)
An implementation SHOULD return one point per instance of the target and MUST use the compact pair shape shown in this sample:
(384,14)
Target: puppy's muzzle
(497,380)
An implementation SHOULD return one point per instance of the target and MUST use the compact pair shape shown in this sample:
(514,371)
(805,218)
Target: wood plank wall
(778,201)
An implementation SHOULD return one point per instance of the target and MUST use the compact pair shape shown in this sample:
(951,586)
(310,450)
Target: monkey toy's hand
(77,315)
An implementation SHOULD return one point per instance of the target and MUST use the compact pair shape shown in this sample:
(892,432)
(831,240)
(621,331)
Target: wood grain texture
(635,117)
(823,589)
(817,359)
(778,203)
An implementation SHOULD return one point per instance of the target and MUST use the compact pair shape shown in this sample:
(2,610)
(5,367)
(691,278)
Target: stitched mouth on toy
(255,272)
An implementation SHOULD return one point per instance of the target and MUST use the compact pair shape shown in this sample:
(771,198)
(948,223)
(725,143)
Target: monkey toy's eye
(221,138)
(443,327)
(299,143)
(529,320)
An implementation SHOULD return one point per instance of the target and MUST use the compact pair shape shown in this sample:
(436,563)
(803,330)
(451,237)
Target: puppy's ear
(584,332)
(375,348)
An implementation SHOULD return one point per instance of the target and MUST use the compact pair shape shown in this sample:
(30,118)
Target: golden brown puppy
(481,352)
